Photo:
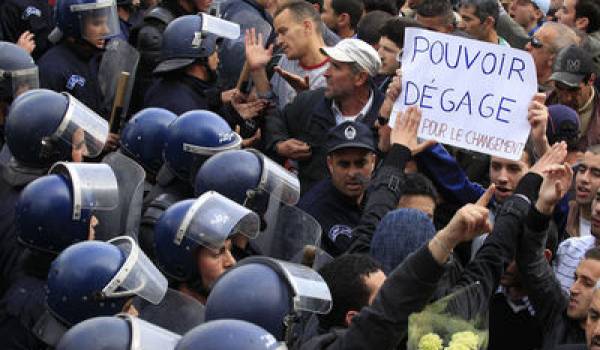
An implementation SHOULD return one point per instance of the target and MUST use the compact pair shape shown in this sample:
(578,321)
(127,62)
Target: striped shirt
(569,254)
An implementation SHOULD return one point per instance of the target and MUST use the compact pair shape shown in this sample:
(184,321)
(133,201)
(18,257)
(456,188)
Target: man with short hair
(530,14)
(479,18)
(342,16)
(336,202)
(436,15)
(418,192)
(544,45)
(574,76)
(592,325)
(369,27)
(299,131)
(302,65)
(585,16)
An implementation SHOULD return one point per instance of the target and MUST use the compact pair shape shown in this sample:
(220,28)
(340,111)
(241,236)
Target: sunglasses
(536,43)
(382,121)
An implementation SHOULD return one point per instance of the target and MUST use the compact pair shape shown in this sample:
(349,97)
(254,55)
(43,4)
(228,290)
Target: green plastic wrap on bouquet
(458,321)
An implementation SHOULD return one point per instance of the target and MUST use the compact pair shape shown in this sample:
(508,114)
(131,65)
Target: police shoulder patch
(337,230)
(31,11)
(75,80)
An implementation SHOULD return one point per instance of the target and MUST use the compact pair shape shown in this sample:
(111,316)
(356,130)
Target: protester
(529,14)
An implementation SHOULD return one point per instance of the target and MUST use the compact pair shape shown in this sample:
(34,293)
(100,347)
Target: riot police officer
(147,38)
(187,71)
(191,139)
(34,141)
(50,216)
(193,241)
(33,16)
(18,73)
(82,30)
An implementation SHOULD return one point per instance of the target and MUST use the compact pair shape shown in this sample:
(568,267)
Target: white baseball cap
(355,51)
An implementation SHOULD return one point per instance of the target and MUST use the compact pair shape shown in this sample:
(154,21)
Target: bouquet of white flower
(456,322)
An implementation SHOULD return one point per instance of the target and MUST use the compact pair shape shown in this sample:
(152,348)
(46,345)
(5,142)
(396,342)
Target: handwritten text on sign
(472,94)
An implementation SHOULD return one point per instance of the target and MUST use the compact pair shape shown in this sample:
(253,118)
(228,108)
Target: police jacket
(308,118)
(544,289)
(248,14)
(72,66)
(180,93)
(35,16)
(336,213)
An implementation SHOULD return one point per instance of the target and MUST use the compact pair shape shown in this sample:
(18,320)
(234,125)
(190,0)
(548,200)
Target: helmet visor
(98,20)
(219,26)
(146,336)
(20,80)
(278,182)
(138,276)
(213,218)
(94,185)
(83,128)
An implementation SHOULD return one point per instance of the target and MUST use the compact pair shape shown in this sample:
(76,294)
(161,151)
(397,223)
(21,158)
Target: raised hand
(257,57)
(557,181)
(537,114)
(555,155)
(26,41)
(293,149)
(297,82)
(405,130)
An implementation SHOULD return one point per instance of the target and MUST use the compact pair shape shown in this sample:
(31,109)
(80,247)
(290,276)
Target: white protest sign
(472,94)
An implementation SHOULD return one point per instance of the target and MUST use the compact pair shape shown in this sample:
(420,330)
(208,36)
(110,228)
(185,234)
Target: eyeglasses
(536,43)
(382,120)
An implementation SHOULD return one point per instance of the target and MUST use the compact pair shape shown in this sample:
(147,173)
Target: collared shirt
(517,305)
(585,113)
(340,118)
(569,254)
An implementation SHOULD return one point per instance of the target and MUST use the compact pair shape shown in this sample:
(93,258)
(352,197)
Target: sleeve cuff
(397,156)
(529,186)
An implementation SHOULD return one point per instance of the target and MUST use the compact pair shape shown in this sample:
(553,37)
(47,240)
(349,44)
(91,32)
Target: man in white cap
(530,14)
(299,131)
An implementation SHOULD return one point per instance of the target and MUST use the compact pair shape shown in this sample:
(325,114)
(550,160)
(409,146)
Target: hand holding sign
(473,95)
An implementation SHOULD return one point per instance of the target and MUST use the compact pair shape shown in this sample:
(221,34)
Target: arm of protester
(297,82)
(447,175)
(410,286)
(391,95)
(257,58)
(537,114)
(543,288)
(386,188)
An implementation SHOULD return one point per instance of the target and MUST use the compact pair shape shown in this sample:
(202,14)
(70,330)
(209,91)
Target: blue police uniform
(73,68)
(336,213)
(180,93)
(35,16)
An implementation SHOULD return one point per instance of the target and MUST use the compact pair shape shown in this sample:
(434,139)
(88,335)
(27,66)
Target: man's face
(213,61)
(543,57)
(586,276)
(596,215)
(388,53)
(292,36)
(341,80)
(566,13)
(423,203)
(506,174)
(95,30)
(574,97)
(592,324)
(212,264)
(329,16)
(351,170)
(523,12)
(374,281)
(471,24)
(435,23)
(587,179)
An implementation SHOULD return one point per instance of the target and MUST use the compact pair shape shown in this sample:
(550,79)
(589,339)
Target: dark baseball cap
(572,64)
(350,135)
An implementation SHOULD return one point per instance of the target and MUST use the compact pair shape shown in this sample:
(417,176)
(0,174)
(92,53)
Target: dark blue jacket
(180,93)
(35,16)
(336,213)
(73,68)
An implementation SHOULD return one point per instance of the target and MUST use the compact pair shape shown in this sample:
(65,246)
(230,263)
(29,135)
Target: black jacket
(35,16)
(308,118)
(544,289)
